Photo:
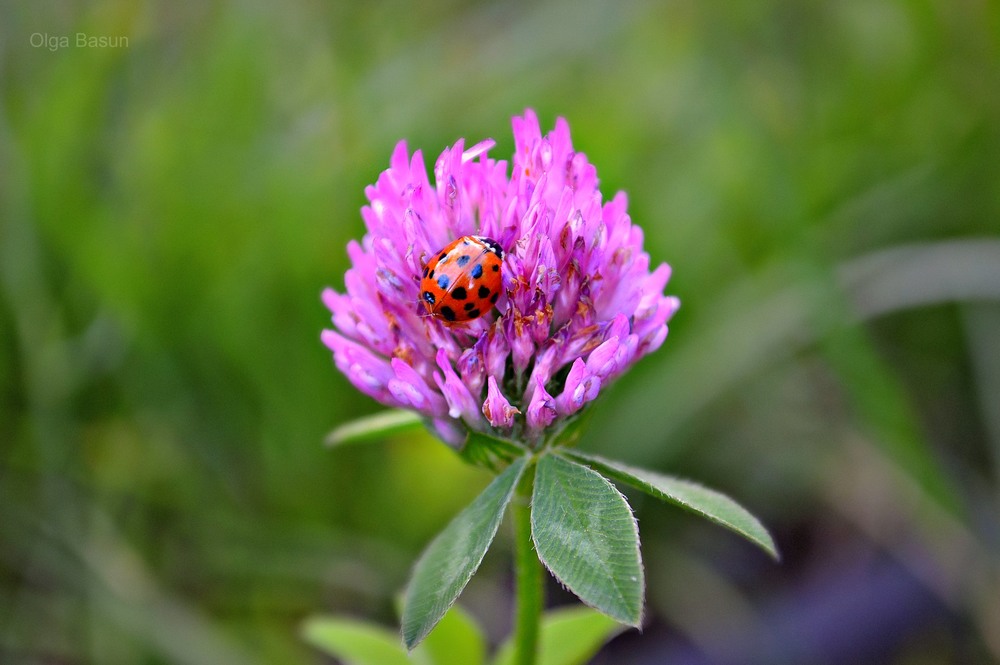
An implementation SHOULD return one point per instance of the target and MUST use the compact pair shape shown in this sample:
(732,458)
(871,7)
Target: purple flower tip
(578,303)
(541,408)
(496,408)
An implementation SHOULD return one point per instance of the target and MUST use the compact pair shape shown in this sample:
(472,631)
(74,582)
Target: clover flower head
(579,302)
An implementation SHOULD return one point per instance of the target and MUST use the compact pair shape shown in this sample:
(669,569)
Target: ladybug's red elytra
(462,281)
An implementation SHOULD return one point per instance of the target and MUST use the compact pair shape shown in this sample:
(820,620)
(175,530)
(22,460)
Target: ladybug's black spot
(484,291)
(473,314)
(443,281)
(496,267)
(493,298)
(477,271)
(465,242)
(458,293)
(448,313)
(443,255)
(470,305)
(463,259)
(426,269)
(429,298)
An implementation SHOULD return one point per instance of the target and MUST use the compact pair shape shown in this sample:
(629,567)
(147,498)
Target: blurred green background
(823,177)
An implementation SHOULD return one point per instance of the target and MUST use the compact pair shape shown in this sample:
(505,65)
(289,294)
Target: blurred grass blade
(918,275)
(375,427)
(456,640)
(708,503)
(355,642)
(452,558)
(882,403)
(568,637)
(981,325)
(586,536)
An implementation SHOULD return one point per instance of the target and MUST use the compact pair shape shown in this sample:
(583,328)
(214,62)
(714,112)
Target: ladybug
(461,282)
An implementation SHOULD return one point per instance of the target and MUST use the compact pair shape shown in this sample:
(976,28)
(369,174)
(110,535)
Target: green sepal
(568,433)
(491,452)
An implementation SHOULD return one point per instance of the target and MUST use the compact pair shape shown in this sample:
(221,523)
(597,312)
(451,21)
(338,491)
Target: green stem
(528,571)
